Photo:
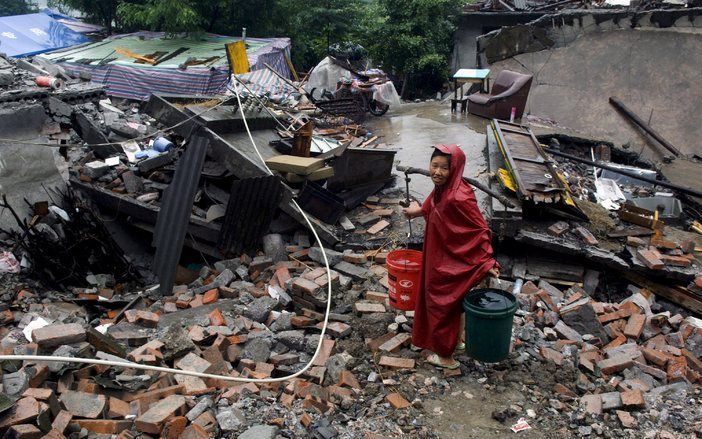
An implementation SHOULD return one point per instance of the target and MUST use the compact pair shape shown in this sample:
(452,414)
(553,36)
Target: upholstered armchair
(510,89)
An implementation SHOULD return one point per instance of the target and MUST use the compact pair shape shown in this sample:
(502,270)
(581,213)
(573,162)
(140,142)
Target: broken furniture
(471,76)
(510,90)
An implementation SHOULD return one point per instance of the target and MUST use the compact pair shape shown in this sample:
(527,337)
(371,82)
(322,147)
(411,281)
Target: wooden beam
(676,294)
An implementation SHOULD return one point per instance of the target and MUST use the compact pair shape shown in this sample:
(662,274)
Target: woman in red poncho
(457,255)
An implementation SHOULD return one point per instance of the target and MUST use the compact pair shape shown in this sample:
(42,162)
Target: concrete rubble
(605,341)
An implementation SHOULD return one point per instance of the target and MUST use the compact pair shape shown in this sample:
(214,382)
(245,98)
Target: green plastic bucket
(489,314)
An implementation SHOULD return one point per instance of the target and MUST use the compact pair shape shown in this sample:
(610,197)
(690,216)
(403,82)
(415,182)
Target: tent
(74,23)
(185,65)
(31,34)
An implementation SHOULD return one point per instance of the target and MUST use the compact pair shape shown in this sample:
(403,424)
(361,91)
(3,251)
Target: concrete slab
(652,71)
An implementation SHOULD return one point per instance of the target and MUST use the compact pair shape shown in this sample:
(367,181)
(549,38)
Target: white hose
(130,365)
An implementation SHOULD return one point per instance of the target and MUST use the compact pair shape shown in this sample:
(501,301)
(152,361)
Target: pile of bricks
(626,355)
(657,253)
(245,317)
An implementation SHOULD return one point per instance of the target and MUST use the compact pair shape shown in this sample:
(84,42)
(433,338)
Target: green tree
(102,12)
(415,40)
(17,7)
(171,16)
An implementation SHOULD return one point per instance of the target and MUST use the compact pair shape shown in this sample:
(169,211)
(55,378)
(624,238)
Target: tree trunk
(405,80)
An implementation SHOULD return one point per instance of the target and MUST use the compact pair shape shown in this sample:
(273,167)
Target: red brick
(305,420)
(146,318)
(688,247)
(693,362)
(347,379)
(216,318)
(283,276)
(397,401)
(676,261)
(375,296)
(153,420)
(620,340)
(396,362)
(117,408)
(325,352)
(194,431)
(634,241)
(592,404)
(626,419)
(355,258)
(314,274)
(615,364)
(650,259)
(563,390)
(337,329)
(152,396)
(57,335)
(301,321)
(635,326)
(654,356)
(174,427)
(210,296)
(377,227)
(367,308)
(305,286)
(633,399)
(585,235)
(558,228)
(395,343)
(551,355)
(61,421)
(23,431)
(676,370)
(104,426)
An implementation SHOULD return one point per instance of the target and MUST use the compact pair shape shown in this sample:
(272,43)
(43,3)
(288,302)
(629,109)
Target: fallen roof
(182,65)
(32,34)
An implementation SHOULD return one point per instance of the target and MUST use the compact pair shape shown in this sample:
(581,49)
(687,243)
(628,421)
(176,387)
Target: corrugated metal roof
(173,218)
(144,43)
(252,203)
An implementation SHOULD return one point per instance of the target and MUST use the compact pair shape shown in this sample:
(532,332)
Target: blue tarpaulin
(30,34)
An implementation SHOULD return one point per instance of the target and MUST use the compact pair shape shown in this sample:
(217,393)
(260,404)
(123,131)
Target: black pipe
(619,105)
(683,189)
(478,185)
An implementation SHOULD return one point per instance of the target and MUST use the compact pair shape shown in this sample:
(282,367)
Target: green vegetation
(17,7)
(410,39)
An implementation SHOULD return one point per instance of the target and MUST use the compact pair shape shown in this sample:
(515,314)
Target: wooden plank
(675,294)
(296,165)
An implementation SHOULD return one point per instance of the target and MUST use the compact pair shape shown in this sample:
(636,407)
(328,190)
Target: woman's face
(439,169)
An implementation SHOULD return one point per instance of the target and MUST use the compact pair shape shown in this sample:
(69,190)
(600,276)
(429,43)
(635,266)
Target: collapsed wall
(579,59)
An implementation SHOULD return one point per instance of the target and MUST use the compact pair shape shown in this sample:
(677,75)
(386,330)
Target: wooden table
(472,76)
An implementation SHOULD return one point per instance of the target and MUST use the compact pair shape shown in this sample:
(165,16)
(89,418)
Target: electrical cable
(168,370)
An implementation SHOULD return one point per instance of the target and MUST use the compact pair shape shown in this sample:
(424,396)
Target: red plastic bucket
(404,268)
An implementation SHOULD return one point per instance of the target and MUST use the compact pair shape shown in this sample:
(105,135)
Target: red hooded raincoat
(457,256)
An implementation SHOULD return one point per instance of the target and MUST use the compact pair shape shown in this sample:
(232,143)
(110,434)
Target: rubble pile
(245,317)
(626,358)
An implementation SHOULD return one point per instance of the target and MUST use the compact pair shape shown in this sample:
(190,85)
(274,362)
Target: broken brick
(676,261)
(396,362)
(626,419)
(592,404)
(395,343)
(585,235)
(84,405)
(375,296)
(210,296)
(57,335)
(656,357)
(551,355)
(615,364)
(366,308)
(153,420)
(558,228)
(397,401)
(633,399)
(635,326)
(104,426)
(216,318)
(347,379)
(650,259)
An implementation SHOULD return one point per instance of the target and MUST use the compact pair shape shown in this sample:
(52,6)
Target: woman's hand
(413,210)
(494,272)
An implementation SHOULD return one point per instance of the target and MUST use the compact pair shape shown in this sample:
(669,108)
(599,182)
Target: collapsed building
(151,233)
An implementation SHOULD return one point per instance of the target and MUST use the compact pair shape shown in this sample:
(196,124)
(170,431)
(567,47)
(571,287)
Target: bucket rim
(509,309)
